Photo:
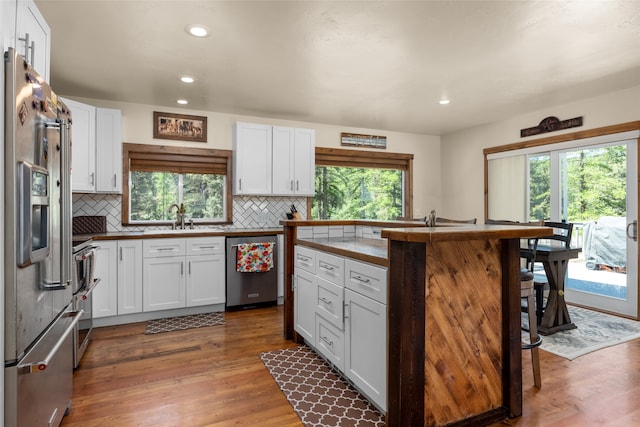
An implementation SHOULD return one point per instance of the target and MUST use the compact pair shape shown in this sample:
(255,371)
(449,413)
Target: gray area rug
(184,322)
(595,331)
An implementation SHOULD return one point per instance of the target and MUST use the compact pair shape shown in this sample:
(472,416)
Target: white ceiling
(373,64)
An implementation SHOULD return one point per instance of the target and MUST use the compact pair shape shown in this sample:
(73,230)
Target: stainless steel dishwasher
(247,290)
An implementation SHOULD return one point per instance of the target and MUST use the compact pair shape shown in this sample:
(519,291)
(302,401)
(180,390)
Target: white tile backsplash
(248,212)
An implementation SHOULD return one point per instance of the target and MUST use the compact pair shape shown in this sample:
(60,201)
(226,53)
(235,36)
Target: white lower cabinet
(183,272)
(340,310)
(105,294)
(163,283)
(129,276)
(304,316)
(366,346)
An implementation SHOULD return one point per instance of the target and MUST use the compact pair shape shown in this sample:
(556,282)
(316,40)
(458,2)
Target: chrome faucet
(180,211)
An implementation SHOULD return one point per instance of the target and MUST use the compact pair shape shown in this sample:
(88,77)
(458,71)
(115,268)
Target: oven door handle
(84,294)
(35,367)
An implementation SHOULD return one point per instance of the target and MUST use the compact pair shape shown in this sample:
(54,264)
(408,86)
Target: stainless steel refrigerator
(39,320)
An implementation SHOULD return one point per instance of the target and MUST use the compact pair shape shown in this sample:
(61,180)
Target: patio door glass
(595,188)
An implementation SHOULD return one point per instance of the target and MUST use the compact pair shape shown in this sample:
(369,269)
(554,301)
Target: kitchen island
(453,321)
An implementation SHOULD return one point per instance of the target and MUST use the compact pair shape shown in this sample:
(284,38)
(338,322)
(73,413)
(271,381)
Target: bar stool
(527,292)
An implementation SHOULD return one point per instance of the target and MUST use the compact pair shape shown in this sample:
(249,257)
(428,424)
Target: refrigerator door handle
(35,367)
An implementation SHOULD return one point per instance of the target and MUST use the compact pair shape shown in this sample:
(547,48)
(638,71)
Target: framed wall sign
(357,140)
(179,127)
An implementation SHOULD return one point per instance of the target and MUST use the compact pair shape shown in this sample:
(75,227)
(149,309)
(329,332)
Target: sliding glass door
(593,187)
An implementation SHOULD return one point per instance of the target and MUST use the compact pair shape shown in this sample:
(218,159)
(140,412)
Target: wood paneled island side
(453,333)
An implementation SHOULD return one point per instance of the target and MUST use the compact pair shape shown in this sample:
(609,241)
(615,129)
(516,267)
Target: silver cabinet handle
(634,230)
(302,258)
(240,183)
(326,301)
(297,185)
(28,46)
(115,180)
(327,266)
(120,254)
(291,185)
(327,340)
(345,308)
(361,280)
(35,367)
(189,268)
(93,178)
(182,268)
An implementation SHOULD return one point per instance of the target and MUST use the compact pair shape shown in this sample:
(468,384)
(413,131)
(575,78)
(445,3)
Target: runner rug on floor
(184,322)
(320,397)
(594,331)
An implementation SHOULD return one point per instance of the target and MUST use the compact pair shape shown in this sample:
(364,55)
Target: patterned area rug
(184,322)
(595,331)
(320,397)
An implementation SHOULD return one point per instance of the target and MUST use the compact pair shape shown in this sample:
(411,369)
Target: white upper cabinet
(83,146)
(252,159)
(108,150)
(273,160)
(293,161)
(96,138)
(33,37)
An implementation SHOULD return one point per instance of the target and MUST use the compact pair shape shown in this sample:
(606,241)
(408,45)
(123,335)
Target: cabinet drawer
(153,248)
(305,259)
(205,245)
(366,279)
(330,267)
(330,342)
(329,302)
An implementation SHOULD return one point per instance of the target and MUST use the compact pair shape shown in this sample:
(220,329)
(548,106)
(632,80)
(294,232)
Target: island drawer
(330,267)
(329,302)
(366,279)
(330,342)
(305,259)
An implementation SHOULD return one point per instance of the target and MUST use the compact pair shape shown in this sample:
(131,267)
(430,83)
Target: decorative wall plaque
(551,124)
(357,140)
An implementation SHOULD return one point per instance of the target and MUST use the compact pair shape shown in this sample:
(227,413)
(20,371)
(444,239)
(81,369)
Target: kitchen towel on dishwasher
(254,257)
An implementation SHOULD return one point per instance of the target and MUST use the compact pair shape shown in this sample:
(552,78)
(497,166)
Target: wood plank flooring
(213,377)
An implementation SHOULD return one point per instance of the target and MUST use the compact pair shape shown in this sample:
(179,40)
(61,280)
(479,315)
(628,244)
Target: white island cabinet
(340,310)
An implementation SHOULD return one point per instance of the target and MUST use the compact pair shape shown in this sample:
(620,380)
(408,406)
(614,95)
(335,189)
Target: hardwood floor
(213,377)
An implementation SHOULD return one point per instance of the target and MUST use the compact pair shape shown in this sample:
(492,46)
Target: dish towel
(254,257)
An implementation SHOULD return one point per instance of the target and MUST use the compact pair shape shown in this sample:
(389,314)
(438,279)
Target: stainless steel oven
(84,281)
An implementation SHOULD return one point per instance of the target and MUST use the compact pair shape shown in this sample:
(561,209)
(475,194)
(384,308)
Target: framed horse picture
(179,127)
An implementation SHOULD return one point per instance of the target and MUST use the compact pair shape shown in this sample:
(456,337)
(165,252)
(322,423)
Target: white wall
(462,158)
(137,125)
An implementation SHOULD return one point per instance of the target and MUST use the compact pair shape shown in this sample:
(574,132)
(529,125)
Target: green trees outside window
(357,193)
(153,193)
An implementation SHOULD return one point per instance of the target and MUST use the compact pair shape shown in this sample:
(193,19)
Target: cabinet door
(83,140)
(32,27)
(129,276)
(252,159)
(304,313)
(304,162)
(108,150)
(205,280)
(283,160)
(105,294)
(163,283)
(366,346)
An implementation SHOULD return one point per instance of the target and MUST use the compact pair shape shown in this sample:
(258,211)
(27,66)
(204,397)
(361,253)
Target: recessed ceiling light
(197,30)
(187,79)
(444,101)
(183,101)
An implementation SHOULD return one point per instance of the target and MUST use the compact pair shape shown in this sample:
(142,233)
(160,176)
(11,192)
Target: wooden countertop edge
(467,232)
(329,222)
(131,235)
(384,262)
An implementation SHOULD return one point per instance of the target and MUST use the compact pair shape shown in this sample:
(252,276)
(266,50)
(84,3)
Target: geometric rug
(319,395)
(594,331)
(184,322)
